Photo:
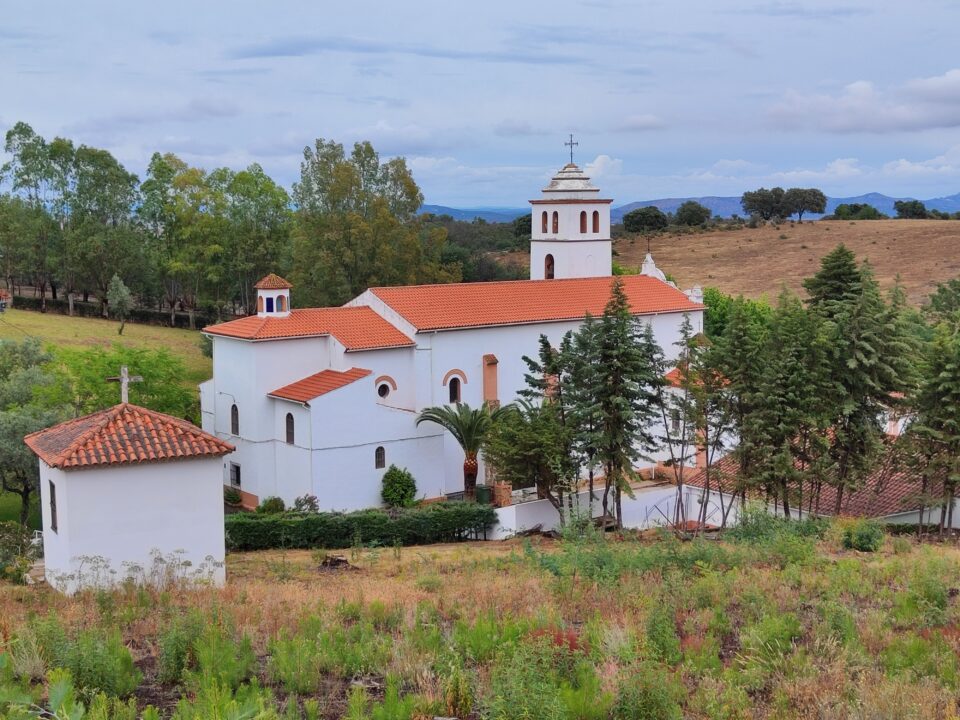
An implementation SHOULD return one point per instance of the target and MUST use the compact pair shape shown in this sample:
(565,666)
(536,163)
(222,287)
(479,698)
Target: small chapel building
(130,493)
(321,401)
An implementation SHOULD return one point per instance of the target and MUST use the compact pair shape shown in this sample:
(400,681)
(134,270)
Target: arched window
(234,420)
(281,303)
(260,304)
(269,304)
(454,387)
(379,458)
(556,222)
(583,222)
(548,268)
(596,221)
(290,433)
(543,222)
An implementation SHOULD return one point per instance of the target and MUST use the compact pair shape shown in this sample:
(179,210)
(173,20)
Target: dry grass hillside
(760,260)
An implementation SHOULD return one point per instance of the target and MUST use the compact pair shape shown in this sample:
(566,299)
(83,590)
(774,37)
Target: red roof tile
(463,305)
(319,384)
(357,328)
(123,434)
(890,489)
(272,282)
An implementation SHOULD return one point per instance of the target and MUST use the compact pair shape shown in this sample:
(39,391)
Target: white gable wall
(124,513)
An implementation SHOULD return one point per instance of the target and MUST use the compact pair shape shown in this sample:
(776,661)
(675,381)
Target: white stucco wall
(125,513)
(571,258)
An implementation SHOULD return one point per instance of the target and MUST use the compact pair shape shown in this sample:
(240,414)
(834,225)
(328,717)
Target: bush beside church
(435,523)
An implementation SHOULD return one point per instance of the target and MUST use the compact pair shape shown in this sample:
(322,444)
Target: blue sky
(666,98)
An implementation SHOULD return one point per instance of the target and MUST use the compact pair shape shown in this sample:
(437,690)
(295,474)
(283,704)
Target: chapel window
(596,221)
(269,304)
(234,420)
(543,222)
(556,222)
(548,267)
(380,458)
(290,429)
(53,506)
(583,222)
(454,388)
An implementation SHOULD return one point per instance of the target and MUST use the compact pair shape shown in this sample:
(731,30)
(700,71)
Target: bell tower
(570,228)
(273,296)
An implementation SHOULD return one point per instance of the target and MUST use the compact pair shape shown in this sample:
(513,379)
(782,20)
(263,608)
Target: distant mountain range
(721,206)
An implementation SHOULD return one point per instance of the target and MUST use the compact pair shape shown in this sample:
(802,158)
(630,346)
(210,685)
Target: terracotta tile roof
(463,305)
(673,377)
(124,434)
(272,282)
(357,328)
(891,489)
(319,384)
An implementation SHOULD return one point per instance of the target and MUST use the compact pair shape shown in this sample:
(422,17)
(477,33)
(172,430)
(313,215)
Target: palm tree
(469,427)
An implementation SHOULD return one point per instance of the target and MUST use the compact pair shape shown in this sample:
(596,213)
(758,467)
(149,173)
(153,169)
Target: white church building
(321,401)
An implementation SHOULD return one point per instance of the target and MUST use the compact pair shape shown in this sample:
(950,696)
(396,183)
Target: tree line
(187,239)
(799,394)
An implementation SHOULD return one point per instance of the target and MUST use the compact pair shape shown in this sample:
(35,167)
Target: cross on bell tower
(125,378)
(571,144)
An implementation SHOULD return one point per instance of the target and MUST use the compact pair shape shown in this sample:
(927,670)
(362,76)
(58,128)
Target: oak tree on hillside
(645,219)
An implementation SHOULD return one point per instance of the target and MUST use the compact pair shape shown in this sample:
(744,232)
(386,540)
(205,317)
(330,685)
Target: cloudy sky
(667,98)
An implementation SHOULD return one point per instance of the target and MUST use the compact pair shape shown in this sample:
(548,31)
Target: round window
(383,390)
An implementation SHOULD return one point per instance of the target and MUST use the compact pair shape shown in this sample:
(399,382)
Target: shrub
(222,659)
(97,661)
(524,685)
(650,693)
(863,535)
(176,653)
(17,551)
(434,523)
(271,506)
(306,504)
(662,634)
(232,497)
(399,487)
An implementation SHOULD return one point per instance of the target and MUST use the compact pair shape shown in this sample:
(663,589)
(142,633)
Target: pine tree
(582,393)
(937,424)
(791,410)
(870,365)
(837,281)
(626,376)
(740,356)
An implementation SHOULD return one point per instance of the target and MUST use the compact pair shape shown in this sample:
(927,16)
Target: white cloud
(919,104)
(947,164)
(604,166)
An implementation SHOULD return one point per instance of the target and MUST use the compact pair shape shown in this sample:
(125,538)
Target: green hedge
(438,522)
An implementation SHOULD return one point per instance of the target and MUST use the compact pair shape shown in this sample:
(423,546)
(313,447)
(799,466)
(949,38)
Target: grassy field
(61,330)
(782,624)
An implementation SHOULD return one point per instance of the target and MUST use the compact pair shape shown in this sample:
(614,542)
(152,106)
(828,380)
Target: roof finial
(571,144)
(125,378)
